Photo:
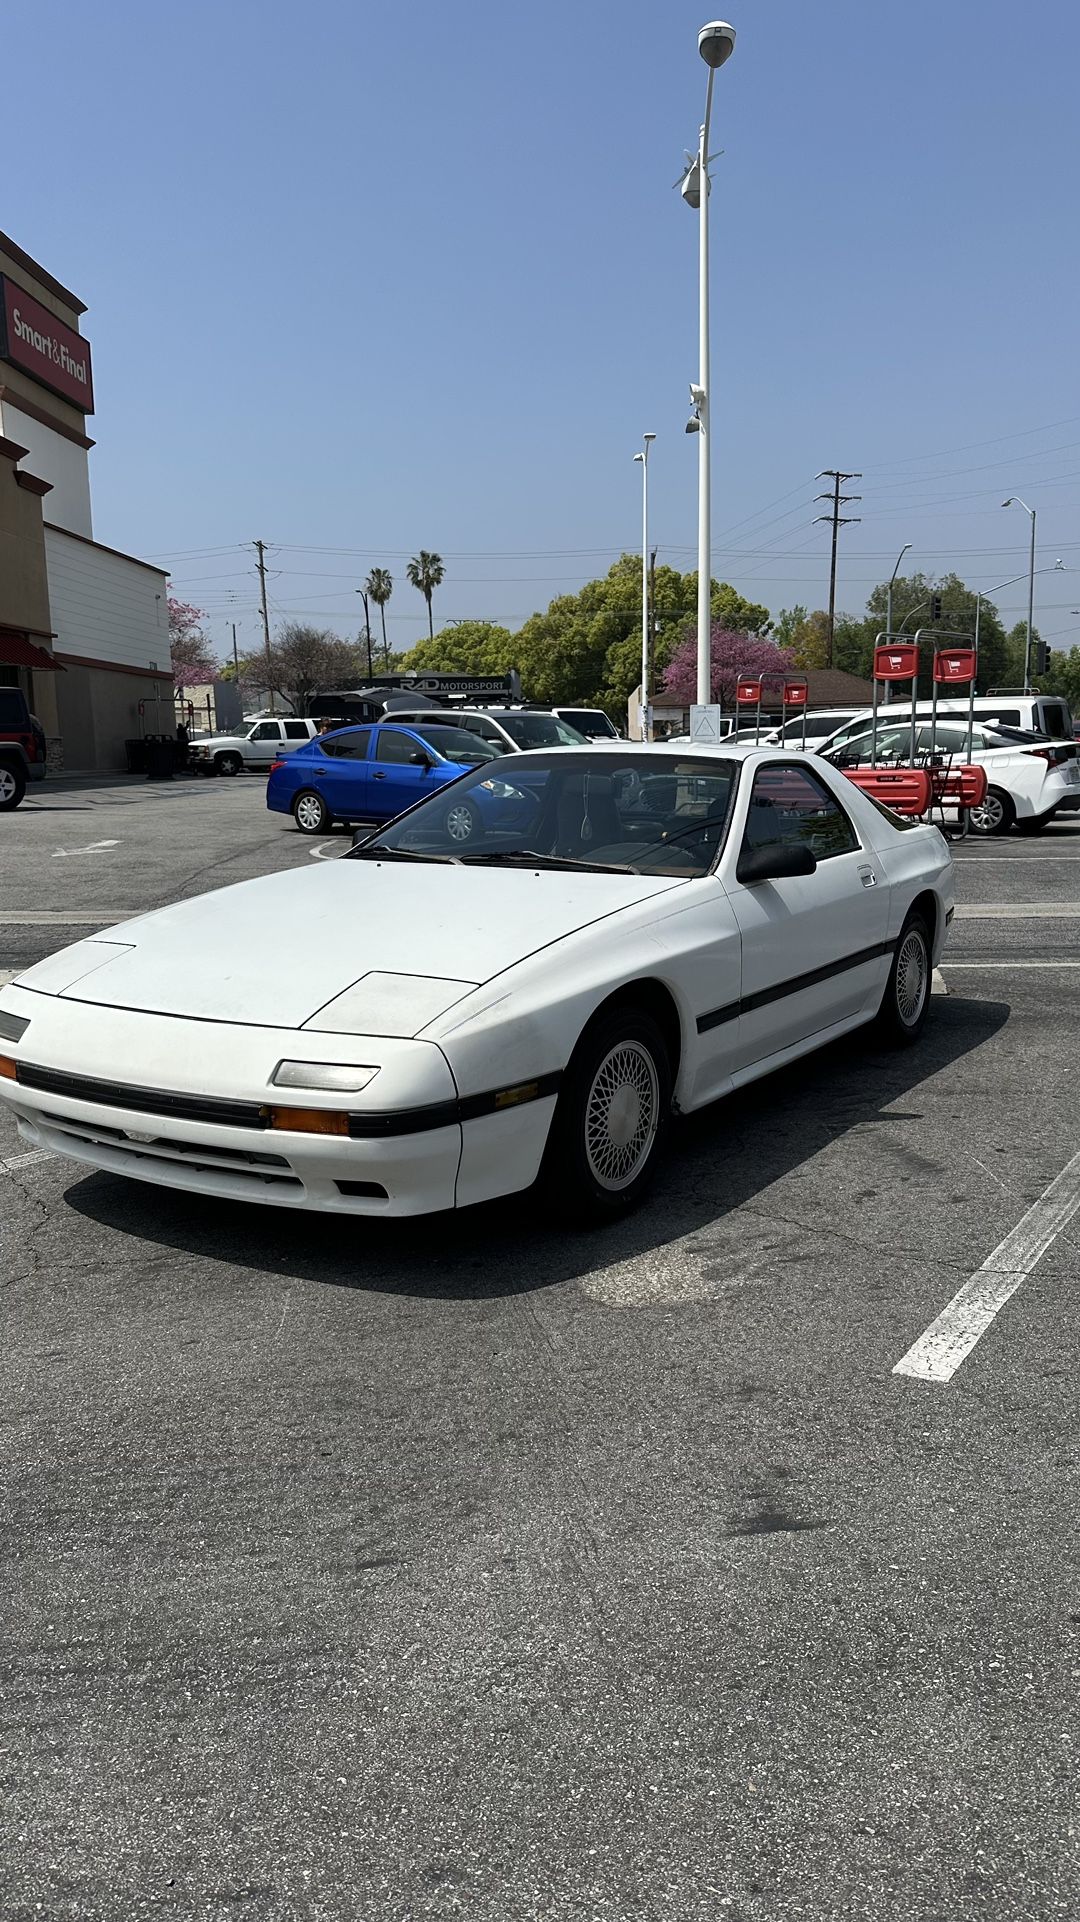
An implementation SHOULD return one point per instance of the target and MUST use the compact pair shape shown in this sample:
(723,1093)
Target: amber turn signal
(309,1121)
(8,1070)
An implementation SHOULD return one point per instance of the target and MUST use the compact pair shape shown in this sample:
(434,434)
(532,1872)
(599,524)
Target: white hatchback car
(1030,779)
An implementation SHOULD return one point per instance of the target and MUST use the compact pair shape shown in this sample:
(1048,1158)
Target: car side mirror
(420,759)
(780,861)
(361,836)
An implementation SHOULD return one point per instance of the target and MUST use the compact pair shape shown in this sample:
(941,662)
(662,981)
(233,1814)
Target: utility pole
(235,655)
(838,521)
(652,613)
(260,549)
(367,634)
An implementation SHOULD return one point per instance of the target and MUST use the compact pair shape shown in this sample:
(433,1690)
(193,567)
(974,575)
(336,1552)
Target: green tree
(467,647)
(426,572)
(586,647)
(787,624)
(378,587)
(1063,677)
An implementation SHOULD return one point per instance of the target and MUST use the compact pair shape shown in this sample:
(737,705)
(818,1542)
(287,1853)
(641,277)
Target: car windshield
(456,743)
(636,812)
(541,730)
(590,722)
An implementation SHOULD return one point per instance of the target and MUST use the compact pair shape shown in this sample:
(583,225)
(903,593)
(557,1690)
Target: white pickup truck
(251,747)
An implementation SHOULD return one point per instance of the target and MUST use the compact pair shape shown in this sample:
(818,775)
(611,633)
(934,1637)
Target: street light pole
(646,665)
(1015,501)
(888,609)
(716,43)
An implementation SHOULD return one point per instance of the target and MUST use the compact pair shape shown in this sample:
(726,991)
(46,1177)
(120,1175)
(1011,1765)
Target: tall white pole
(646,712)
(704,598)
(1031,608)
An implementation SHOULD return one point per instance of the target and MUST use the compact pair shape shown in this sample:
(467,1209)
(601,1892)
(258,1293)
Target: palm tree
(425,572)
(379,586)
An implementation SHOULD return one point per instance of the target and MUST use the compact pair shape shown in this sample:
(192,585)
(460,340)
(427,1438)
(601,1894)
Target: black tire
(1034,823)
(462,822)
(311,814)
(12,786)
(228,764)
(995,815)
(906,1001)
(626,1049)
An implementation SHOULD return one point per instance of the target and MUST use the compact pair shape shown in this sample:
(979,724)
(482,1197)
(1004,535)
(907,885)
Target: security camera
(716,43)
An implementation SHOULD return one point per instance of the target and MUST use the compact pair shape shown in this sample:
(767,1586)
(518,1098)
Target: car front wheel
(609,1127)
(228,764)
(12,787)
(462,822)
(311,814)
(906,1002)
(995,815)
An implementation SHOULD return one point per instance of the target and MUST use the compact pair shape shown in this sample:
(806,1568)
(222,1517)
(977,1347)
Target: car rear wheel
(906,1002)
(12,786)
(311,814)
(462,821)
(1034,823)
(228,764)
(609,1127)
(994,815)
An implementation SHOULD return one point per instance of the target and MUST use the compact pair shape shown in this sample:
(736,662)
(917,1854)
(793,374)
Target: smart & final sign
(32,339)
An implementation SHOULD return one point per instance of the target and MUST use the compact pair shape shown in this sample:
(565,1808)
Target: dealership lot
(474,1568)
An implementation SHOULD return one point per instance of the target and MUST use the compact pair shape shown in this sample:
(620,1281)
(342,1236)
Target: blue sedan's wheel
(608,1132)
(462,821)
(311,814)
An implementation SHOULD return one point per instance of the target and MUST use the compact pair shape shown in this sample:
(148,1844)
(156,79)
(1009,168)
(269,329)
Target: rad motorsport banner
(45,348)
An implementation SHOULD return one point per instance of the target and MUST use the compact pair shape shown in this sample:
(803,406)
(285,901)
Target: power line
(838,521)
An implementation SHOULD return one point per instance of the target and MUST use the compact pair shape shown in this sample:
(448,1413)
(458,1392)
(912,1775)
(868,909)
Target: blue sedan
(371,773)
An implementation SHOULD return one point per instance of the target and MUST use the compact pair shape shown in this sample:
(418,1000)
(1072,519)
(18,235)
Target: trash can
(136,756)
(160,757)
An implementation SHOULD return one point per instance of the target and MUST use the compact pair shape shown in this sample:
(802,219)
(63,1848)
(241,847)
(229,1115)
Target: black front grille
(117,1094)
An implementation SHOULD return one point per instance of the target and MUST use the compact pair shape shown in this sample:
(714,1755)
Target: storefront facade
(83,626)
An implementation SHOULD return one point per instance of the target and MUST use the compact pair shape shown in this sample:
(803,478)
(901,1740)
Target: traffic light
(1042,657)
(935,607)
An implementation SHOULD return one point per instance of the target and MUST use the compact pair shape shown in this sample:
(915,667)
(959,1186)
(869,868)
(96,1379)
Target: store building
(84,628)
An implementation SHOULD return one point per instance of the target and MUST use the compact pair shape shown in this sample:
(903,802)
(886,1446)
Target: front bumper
(401,1158)
(414,1146)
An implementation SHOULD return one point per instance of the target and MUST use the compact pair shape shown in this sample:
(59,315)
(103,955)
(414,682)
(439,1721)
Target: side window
(948,738)
(296,730)
(266,731)
(1055,721)
(394,745)
(352,746)
(790,805)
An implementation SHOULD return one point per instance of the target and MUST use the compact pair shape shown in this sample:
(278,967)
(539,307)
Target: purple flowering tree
(732,654)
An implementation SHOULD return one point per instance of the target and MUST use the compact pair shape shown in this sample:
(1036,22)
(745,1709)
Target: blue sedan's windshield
(635,811)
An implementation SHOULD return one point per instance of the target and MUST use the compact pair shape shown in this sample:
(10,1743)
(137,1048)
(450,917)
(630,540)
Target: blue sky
(363,279)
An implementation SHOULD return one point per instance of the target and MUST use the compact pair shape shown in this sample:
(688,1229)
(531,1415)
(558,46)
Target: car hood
(408,939)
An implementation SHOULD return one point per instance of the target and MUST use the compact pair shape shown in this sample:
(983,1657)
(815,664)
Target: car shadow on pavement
(719,1160)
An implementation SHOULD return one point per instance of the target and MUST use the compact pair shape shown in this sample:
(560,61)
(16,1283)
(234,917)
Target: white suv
(252,747)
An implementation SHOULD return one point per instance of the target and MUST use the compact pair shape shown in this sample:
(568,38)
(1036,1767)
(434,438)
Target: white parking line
(1018,910)
(937,1354)
(13,1163)
(937,982)
(64,917)
(970,965)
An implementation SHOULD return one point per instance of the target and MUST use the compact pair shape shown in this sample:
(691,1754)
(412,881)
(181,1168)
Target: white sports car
(427,1023)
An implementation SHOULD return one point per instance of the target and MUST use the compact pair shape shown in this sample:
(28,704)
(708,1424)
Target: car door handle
(378,777)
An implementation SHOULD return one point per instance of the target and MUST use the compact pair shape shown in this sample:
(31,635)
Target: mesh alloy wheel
(621,1116)
(912,977)
(228,764)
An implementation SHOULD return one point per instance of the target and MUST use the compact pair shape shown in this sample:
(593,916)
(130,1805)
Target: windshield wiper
(380,852)
(527,857)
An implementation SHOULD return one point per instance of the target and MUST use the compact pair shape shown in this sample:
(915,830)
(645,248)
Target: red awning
(17,651)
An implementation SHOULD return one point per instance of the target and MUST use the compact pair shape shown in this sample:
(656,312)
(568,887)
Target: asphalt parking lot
(478,1569)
